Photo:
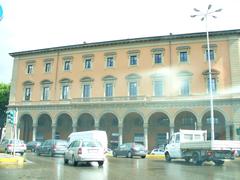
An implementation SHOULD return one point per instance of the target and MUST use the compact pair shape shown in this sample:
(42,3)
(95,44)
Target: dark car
(129,150)
(52,147)
(32,145)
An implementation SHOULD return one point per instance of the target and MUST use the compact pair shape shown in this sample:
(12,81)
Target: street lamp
(204,16)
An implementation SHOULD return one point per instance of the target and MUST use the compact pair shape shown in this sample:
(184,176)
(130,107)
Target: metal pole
(210,80)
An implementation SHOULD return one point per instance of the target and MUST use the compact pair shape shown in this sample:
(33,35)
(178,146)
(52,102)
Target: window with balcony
(184,87)
(86,91)
(108,89)
(45,93)
(158,87)
(27,94)
(133,88)
(65,92)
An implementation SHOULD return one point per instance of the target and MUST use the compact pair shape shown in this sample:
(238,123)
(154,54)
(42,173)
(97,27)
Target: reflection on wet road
(118,169)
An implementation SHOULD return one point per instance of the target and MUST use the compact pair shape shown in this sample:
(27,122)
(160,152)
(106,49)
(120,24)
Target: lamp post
(204,17)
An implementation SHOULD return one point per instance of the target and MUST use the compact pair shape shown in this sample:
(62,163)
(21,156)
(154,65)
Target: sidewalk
(10,159)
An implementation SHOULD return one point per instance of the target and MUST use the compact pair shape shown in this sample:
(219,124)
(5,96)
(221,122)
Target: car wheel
(168,157)
(114,154)
(187,159)
(75,163)
(51,153)
(129,155)
(65,160)
(100,163)
(143,157)
(196,159)
(22,153)
(218,162)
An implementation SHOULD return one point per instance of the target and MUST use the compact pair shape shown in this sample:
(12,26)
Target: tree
(4,98)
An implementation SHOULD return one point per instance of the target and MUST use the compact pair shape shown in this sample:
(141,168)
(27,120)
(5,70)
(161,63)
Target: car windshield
(61,143)
(91,144)
(138,147)
(15,141)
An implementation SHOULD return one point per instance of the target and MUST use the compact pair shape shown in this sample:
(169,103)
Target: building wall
(226,63)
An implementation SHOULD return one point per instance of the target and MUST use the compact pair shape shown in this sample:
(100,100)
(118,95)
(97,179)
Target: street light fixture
(204,16)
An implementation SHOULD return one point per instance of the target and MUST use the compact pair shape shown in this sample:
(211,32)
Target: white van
(100,136)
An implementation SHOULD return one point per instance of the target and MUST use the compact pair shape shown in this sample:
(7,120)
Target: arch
(133,128)
(109,123)
(26,127)
(44,127)
(63,126)
(133,76)
(46,81)
(185,120)
(158,129)
(219,125)
(28,83)
(65,80)
(86,79)
(109,78)
(85,122)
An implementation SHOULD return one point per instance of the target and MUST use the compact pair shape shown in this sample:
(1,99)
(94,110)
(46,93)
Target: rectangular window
(29,69)
(158,58)
(158,88)
(88,63)
(110,62)
(133,89)
(45,95)
(65,91)
(86,90)
(211,53)
(47,67)
(67,65)
(133,60)
(27,95)
(183,56)
(185,87)
(109,90)
(214,85)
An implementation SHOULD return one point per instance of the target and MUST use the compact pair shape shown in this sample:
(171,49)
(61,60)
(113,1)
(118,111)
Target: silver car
(11,145)
(84,151)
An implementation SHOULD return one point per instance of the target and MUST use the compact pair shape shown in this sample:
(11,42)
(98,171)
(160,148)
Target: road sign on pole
(10,117)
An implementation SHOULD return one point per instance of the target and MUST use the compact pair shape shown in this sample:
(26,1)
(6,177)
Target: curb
(9,159)
(148,156)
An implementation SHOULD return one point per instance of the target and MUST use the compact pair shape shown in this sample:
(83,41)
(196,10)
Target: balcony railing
(121,99)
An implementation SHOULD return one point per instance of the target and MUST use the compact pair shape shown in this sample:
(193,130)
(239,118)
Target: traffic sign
(1,13)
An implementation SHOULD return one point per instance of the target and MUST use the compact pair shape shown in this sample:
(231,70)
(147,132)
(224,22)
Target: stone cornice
(126,41)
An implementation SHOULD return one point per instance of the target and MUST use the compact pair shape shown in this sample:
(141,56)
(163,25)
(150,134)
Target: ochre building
(137,90)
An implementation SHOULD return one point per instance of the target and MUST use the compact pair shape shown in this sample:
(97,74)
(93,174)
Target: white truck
(100,136)
(193,144)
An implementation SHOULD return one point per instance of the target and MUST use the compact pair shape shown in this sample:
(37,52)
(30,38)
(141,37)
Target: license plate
(92,150)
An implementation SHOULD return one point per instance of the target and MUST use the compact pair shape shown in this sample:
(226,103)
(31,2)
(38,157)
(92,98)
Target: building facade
(139,90)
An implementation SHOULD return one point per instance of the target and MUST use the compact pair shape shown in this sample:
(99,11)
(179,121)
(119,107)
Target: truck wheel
(218,162)
(187,159)
(168,157)
(196,159)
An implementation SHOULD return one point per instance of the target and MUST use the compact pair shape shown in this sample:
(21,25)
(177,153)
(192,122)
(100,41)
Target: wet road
(53,168)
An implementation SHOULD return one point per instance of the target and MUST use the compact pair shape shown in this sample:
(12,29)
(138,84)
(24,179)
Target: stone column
(34,132)
(120,131)
(171,131)
(199,125)
(227,130)
(146,136)
(53,131)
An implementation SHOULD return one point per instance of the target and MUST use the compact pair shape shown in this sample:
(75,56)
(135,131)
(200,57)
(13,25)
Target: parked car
(32,145)
(85,151)
(11,145)
(52,147)
(157,151)
(129,150)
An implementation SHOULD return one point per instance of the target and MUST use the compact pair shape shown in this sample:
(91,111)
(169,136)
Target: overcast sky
(33,24)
